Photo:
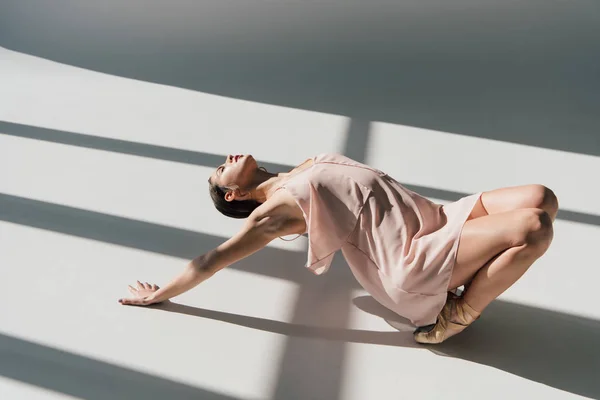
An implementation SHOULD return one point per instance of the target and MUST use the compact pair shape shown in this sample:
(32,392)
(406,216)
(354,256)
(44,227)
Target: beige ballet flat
(446,326)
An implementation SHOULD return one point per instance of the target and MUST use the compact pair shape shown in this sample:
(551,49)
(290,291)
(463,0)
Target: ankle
(466,307)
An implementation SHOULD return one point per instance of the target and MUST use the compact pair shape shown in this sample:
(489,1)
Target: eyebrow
(216,174)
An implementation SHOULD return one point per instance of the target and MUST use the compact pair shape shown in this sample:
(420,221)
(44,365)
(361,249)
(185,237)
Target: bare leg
(525,235)
(497,249)
(507,231)
(516,197)
(509,199)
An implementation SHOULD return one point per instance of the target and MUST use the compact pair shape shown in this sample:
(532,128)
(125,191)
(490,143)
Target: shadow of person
(293,330)
(549,347)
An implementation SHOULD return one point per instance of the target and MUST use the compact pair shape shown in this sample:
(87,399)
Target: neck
(265,184)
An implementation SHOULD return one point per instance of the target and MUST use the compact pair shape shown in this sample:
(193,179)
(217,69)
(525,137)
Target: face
(237,170)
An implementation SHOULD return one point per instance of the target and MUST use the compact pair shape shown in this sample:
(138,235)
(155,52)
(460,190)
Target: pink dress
(400,246)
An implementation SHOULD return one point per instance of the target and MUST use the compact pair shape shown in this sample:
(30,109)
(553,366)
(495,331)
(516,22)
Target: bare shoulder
(281,212)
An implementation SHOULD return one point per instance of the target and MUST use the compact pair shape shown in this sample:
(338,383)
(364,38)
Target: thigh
(513,198)
(481,240)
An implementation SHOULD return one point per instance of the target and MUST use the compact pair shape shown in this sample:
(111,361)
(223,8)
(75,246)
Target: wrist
(152,299)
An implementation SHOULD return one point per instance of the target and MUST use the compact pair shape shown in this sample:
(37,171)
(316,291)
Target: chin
(251,161)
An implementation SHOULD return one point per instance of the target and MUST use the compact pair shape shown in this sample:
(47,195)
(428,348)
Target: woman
(401,247)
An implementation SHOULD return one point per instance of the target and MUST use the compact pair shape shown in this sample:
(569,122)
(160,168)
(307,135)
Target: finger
(147,285)
(155,287)
(130,302)
(132,290)
(139,285)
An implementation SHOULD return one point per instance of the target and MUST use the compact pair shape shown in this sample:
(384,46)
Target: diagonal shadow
(144,236)
(355,145)
(325,298)
(308,369)
(549,347)
(86,378)
(187,244)
(121,146)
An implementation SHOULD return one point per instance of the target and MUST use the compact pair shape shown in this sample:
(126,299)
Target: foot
(454,318)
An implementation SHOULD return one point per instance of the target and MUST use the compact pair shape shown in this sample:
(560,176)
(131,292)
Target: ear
(230,195)
(236,194)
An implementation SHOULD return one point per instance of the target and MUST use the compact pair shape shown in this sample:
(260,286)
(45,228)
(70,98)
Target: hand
(142,295)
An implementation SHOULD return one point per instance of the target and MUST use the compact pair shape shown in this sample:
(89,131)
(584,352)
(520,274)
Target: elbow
(205,264)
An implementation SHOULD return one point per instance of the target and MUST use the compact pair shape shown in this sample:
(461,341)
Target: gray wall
(519,71)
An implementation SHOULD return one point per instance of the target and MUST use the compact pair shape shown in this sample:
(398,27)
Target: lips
(237,157)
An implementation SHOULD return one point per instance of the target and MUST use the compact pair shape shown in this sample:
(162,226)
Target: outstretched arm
(256,233)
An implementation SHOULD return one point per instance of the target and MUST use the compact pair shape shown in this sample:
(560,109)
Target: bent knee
(534,228)
(544,198)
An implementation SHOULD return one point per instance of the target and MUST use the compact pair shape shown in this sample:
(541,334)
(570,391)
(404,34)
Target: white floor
(103,181)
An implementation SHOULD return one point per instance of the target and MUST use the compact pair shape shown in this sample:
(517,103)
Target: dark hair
(234,208)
